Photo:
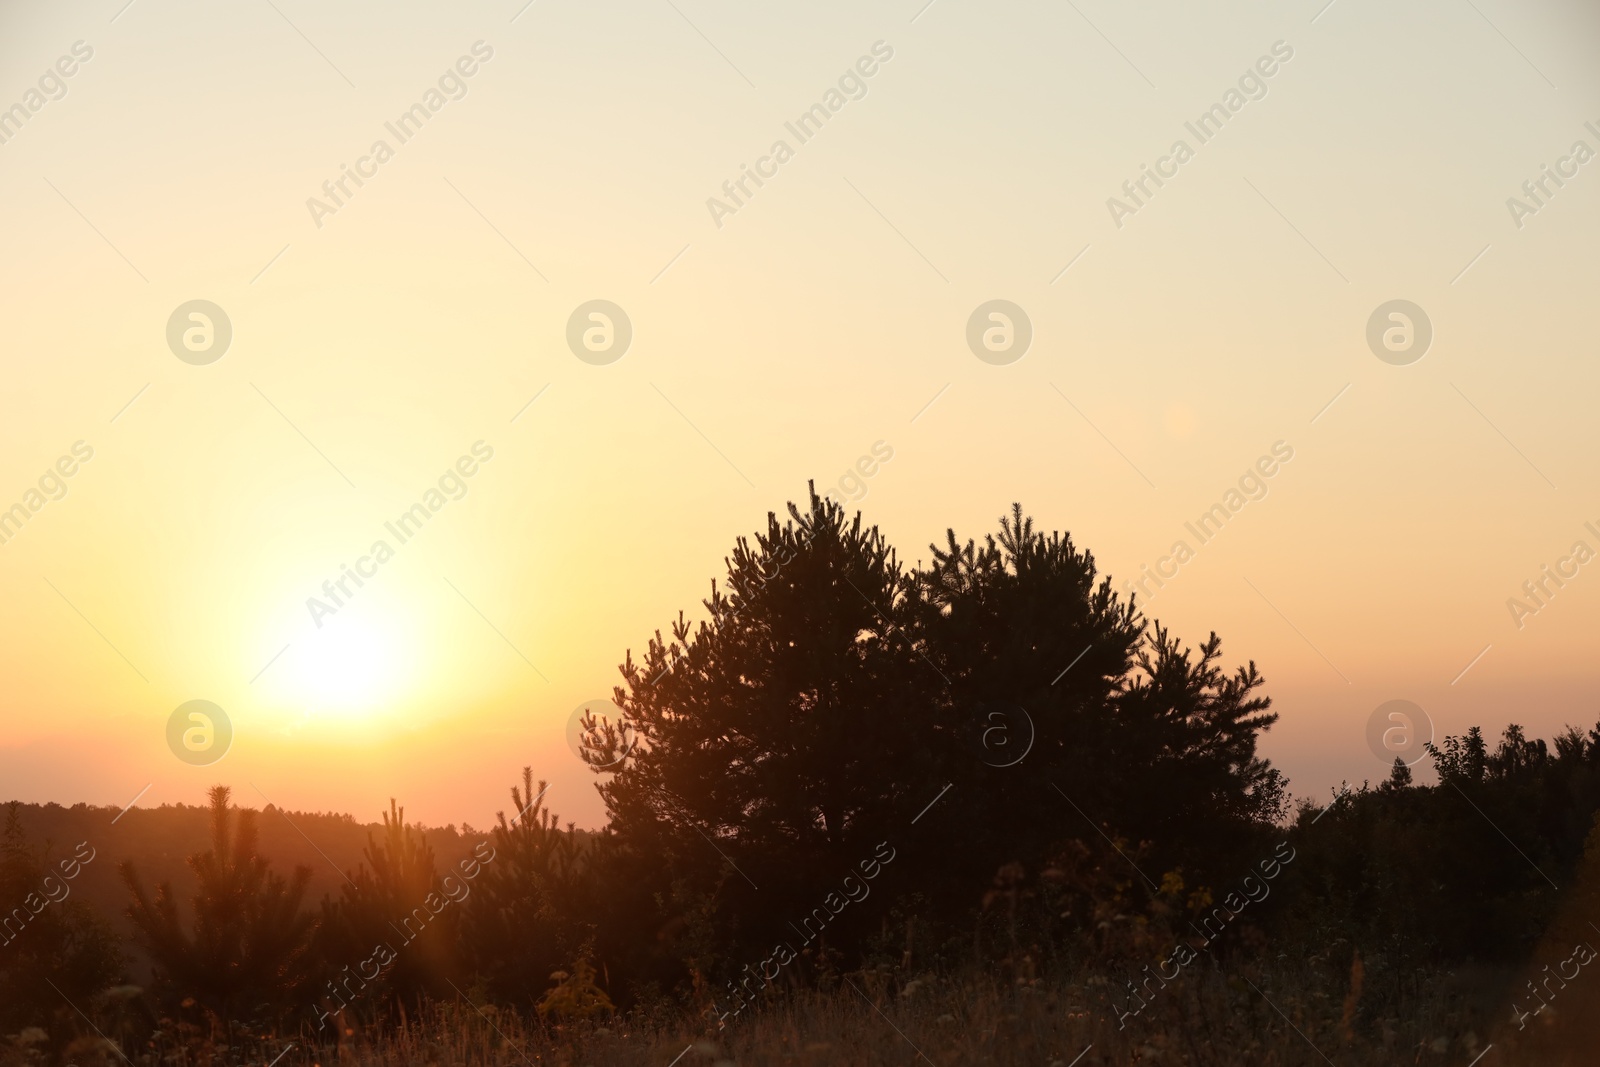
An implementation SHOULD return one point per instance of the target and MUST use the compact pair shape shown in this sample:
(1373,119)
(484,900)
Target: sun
(353,669)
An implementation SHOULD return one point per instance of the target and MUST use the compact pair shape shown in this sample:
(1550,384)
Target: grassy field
(1302,1012)
(1296,1016)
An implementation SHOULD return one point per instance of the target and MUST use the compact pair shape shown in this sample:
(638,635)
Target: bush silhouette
(55,952)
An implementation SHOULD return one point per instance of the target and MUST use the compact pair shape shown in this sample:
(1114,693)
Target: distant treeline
(163,838)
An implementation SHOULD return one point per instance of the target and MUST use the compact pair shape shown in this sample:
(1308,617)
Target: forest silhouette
(986,801)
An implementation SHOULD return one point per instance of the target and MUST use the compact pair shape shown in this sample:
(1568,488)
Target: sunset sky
(377,339)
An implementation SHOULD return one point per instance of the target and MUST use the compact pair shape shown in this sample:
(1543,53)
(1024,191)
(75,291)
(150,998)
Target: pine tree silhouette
(1131,733)
(396,900)
(779,740)
(243,951)
(521,920)
(832,695)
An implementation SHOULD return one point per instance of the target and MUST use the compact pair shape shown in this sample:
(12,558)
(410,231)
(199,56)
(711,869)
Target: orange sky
(379,339)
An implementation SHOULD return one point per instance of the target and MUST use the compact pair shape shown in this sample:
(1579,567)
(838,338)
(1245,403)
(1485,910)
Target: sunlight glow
(353,670)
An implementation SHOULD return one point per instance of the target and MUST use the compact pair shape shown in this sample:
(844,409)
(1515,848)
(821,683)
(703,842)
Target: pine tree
(779,741)
(1131,733)
(1399,776)
(243,951)
(519,920)
(832,696)
(395,901)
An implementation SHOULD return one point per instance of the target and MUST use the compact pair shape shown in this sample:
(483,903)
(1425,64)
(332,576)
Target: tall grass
(1287,1010)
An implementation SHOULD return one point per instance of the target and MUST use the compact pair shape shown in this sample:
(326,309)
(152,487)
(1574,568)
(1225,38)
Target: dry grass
(1302,1011)
(1207,1017)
